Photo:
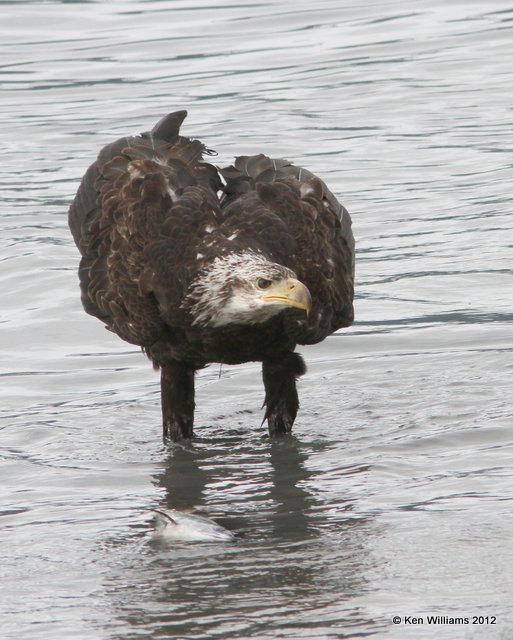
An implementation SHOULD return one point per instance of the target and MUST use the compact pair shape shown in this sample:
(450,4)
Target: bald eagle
(198,265)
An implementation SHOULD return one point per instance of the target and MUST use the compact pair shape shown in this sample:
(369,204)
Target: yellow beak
(289,292)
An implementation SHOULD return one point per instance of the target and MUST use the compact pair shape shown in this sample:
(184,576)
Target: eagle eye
(262,283)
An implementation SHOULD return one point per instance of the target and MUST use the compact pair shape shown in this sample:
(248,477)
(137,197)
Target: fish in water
(188,527)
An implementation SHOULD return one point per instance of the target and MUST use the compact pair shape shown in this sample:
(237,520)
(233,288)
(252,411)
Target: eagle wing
(290,214)
(142,208)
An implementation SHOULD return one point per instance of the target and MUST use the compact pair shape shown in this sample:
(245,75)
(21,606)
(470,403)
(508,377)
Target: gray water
(393,498)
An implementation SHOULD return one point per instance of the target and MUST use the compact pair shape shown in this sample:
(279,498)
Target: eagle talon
(176,431)
(279,425)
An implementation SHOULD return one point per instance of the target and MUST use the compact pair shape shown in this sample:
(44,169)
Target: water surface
(393,497)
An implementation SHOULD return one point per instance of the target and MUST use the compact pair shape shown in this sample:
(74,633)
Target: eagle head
(244,288)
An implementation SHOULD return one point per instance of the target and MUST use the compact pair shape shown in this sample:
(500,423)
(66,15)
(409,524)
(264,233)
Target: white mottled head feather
(227,290)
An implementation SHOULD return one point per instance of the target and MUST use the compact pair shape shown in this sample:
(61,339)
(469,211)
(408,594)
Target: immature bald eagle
(197,265)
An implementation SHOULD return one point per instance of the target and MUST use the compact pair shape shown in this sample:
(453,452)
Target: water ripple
(394,495)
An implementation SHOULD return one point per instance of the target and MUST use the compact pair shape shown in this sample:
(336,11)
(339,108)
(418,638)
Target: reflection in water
(193,467)
(288,475)
(183,478)
(242,588)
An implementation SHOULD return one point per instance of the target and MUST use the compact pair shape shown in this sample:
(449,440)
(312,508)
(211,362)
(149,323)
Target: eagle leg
(177,390)
(281,399)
